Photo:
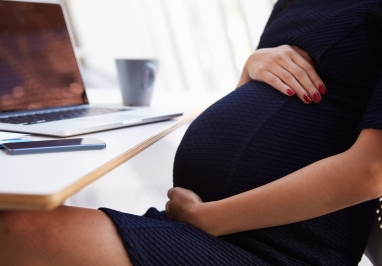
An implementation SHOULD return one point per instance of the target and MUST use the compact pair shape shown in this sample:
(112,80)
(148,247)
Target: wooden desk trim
(49,202)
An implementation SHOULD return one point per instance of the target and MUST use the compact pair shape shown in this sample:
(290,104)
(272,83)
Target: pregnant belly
(256,135)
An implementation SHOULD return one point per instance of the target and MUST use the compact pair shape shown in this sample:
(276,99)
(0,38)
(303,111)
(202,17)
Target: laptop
(41,88)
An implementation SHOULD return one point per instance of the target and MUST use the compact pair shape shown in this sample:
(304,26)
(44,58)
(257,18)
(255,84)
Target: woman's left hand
(183,205)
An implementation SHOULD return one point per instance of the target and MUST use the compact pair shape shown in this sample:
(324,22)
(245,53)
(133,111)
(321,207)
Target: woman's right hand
(286,68)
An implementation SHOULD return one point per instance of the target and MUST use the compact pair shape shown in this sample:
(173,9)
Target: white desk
(44,181)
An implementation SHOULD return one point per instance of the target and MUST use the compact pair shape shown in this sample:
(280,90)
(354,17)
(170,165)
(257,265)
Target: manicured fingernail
(322,89)
(290,92)
(311,61)
(307,98)
(317,97)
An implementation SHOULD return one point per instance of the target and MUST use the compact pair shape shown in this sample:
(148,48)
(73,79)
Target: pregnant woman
(285,170)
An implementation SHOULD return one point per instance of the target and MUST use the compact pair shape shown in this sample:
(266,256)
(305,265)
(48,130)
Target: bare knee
(66,234)
(19,224)
(11,223)
(13,230)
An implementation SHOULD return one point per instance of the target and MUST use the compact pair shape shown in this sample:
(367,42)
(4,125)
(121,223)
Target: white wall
(201,44)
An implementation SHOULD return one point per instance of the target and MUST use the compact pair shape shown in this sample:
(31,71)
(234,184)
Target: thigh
(65,236)
(154,239)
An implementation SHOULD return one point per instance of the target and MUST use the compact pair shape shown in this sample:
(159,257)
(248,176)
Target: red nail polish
(307,98)
(290,92)
(322,89)
(317,97)
(311,61)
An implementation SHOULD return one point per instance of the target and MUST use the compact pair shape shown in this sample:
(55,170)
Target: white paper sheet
(8,135)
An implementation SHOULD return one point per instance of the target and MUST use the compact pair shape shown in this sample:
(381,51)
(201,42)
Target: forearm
(244,78)
(323,187)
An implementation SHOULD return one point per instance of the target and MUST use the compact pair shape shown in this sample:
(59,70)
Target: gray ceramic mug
(136,80)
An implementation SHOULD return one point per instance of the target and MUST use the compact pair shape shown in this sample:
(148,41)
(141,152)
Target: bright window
(201,44)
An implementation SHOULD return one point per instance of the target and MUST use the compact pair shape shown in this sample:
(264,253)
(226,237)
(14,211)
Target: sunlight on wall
(237,32)
(201,44)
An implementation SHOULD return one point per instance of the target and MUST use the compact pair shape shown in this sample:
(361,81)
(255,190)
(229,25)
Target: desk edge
(49,202)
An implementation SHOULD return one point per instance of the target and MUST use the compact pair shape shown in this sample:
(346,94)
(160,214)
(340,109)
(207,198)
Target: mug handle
(149,70)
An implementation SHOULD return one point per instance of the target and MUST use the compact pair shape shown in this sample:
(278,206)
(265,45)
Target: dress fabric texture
(256,135)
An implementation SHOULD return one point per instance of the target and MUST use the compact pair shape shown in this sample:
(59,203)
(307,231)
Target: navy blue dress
(256,135)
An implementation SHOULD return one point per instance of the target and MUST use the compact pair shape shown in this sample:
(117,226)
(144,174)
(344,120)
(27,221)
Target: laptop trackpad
(111,118)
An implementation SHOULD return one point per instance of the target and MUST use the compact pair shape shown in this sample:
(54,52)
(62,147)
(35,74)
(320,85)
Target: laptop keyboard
(56,115)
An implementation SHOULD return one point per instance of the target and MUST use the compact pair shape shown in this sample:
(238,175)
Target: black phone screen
(44,144)
(54,146)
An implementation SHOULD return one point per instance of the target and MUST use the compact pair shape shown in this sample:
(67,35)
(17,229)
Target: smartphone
(47,146)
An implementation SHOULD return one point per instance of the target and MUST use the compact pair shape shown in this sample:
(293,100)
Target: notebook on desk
(41,88)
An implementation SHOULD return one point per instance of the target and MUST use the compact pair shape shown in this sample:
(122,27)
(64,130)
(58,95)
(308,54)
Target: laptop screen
(38,68)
